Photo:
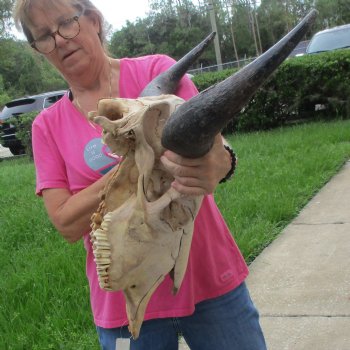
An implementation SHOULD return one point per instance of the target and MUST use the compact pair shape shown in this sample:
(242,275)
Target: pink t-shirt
(68,153)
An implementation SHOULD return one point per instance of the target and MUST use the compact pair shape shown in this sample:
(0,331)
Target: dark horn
(191,129)
(167,82)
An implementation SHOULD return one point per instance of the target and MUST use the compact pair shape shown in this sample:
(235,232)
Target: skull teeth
(103,276)
(97,245)
(105,286)
(100,233)
(102,270)
(104,225)
(103,261)
(102,252)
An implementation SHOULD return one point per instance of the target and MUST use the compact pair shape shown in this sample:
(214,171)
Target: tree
(24,71)
(4,97)
(332,13)
(241,18)
(278,17)
(5,17)
(171,28)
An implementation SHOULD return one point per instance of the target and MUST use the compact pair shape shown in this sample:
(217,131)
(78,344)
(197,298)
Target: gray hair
(22,14)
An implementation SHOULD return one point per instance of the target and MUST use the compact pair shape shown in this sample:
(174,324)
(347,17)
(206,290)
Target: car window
(25,101)
(331,40)
(30,104)
(51,100)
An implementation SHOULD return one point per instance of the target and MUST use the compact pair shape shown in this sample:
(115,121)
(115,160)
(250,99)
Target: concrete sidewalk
(301,282)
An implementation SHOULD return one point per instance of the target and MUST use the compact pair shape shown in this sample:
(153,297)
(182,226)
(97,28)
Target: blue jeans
(228,322)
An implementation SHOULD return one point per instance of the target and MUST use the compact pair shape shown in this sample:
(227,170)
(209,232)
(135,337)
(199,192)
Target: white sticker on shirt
(97,156)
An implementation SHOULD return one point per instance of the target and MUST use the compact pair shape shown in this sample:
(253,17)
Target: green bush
(23,124)
(204,80)
(291,94)
(4,97)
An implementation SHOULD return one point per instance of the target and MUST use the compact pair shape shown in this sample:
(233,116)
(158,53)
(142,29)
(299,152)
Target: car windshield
(331,40)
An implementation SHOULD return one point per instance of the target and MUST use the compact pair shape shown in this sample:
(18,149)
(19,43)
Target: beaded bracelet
(233,165)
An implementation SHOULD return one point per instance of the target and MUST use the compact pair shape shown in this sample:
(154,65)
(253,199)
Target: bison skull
(143,228)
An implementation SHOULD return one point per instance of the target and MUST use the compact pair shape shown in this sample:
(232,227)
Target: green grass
(44,298)
(277,174)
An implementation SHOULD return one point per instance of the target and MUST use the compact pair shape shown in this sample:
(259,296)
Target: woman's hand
(200,175)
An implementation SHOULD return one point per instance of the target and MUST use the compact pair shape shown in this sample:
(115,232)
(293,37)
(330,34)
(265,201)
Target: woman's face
(71,57)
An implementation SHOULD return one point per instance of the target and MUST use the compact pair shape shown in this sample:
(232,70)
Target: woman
(212,309)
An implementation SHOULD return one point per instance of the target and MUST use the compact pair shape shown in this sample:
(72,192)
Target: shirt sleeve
(49,165)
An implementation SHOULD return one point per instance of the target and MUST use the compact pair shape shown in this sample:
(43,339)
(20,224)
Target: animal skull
(143,228)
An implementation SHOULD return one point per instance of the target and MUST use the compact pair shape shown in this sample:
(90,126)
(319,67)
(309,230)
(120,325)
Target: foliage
(23,124)
(290,95)
(245,28)
(170,30)
(203,81)
(307,87)
(25,72)
(277,17)
(332,13)
(22,72)
(5,17)
(4,97)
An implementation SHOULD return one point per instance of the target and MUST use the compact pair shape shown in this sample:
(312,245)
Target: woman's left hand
(200,175)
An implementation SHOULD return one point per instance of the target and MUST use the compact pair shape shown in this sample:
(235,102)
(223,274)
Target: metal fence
(215,68)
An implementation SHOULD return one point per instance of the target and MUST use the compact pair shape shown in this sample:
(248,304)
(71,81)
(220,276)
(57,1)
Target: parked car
(330,39)
(323,41)
(300,49)
(19,106)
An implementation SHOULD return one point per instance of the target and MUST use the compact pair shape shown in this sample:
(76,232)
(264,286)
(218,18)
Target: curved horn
(191,129)
(167,82)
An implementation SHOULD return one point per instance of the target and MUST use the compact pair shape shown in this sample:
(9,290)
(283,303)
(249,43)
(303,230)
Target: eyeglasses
(68,29)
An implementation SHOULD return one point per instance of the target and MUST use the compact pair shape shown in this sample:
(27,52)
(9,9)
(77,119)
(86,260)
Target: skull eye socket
(133,286)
